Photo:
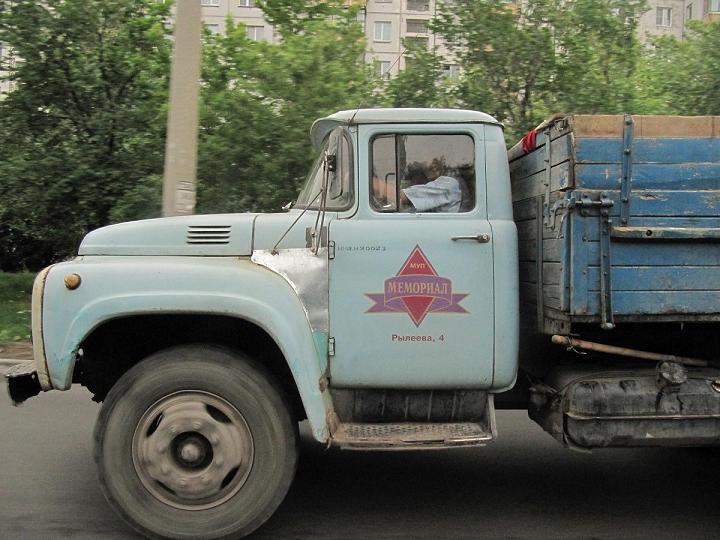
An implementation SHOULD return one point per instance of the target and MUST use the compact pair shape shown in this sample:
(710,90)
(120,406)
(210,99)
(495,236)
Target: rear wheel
(195,442)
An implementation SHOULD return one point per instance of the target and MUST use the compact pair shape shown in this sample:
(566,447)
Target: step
(410,435)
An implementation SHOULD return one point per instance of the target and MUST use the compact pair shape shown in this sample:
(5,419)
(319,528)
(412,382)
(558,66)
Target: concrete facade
(386,23)
(7,57)
(665,17)
(670,17)
(216,12)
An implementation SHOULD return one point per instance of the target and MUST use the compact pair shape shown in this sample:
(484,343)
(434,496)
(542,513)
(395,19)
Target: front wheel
(195,442)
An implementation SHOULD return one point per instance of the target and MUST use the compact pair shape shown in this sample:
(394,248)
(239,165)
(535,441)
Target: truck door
(411,281)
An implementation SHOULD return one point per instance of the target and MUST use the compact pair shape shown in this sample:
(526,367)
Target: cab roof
(323,126)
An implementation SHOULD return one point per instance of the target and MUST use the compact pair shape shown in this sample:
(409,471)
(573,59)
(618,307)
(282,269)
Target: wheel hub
(192,450)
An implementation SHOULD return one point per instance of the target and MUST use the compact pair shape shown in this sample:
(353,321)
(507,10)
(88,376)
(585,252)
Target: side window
(422,173)
(335,162)
(340,183)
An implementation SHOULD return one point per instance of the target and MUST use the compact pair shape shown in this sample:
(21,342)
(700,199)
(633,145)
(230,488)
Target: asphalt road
(523,486)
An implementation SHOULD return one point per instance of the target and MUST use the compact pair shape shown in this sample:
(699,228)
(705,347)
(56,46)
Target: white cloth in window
(440,195)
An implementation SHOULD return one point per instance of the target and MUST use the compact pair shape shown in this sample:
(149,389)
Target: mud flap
(23,382)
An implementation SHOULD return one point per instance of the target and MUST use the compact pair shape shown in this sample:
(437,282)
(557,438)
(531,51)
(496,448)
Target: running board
(410,435)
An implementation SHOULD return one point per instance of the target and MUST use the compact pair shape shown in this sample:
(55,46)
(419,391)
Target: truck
(424,278)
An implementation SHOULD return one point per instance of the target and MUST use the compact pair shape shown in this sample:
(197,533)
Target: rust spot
(652,197)
(332,422)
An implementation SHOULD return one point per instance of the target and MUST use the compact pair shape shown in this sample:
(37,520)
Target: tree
(293,16)
(506,56)
(421,83)
(683,77)
(597,53)
(258,102)
(522,63)
(81,136)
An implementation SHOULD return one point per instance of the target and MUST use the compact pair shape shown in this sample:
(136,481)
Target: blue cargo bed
(628,210)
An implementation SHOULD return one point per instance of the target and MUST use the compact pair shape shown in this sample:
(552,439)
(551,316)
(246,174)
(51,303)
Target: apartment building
(7,58)
(670,17)
(216,12)
(387,23)
(706,10)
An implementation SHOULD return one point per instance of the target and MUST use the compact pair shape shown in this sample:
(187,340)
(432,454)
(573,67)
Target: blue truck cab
(385,307)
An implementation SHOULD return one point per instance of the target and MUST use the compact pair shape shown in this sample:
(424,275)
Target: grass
(15,293)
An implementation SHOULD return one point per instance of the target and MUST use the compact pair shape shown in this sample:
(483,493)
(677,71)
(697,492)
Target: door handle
(482,238)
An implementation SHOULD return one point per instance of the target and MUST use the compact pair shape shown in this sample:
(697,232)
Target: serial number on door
(397,338)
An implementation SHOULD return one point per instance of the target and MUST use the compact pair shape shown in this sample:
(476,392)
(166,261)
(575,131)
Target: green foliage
(82,136)
(683,77)
(597,52)
(258,103)
(293,16)
(15,295)
(507,62)
(421,83)
(84,127)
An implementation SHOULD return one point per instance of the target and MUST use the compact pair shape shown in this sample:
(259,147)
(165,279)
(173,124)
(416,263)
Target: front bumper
(23,382)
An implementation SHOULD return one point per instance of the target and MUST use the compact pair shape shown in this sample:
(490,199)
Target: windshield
(340,183)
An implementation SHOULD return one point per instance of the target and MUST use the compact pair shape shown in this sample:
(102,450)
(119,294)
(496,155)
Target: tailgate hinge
(331,249)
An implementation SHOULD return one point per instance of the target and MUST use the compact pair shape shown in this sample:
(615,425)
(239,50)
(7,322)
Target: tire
(195,442)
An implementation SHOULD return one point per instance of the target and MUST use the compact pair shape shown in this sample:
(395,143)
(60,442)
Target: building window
(246,3)
(688,12)
(663,16)
(382,30)
(255,33)
(417,26)
(213,27)
(713,6)
(7,58)
(418,5)
(451,71)
(211,3)
(382,68)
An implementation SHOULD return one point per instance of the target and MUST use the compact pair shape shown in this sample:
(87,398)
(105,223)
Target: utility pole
(182,127)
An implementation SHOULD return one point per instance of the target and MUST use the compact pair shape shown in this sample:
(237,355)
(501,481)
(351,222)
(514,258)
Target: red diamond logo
(417,290)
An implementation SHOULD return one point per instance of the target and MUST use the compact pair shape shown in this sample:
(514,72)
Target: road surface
(523,486)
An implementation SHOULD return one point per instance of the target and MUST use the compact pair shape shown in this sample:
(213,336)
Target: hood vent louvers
(208,234)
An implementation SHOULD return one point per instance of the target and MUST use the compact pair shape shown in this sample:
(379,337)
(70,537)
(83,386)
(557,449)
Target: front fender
(114,287)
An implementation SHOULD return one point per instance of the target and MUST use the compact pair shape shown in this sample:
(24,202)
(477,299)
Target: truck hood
(209,235)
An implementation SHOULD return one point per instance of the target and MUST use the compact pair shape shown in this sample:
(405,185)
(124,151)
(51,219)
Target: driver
(437,192)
